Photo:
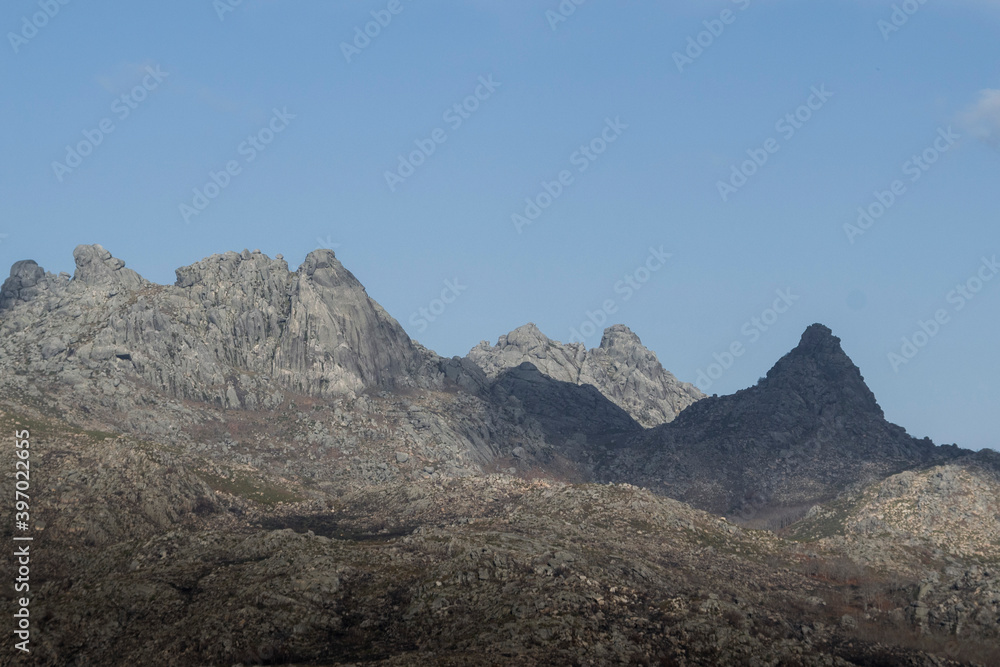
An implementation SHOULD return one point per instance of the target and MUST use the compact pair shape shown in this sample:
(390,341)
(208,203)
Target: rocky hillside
(258,466)
(621,368)
(938,527)
(209,566)
(952,511)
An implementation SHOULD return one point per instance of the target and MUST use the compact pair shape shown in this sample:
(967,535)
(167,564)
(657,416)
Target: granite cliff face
(228,327)
(621,368)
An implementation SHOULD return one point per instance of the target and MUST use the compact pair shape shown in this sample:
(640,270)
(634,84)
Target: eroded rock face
(230,325)
(632,377)
(96,266)
(23,283)
(528,344)
(338,339)
(621,368)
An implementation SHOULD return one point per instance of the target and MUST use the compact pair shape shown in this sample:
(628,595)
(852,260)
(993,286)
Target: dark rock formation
(808,430)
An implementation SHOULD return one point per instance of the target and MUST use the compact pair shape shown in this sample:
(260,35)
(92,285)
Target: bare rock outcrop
(621,368)
(96,266)
(232,330)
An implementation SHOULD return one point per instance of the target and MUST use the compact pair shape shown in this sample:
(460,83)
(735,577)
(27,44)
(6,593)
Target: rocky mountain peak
(525,336)
(623,346)
(809,429)
(246,271)
(817,369)
(617,334)
(528,344)
(323,266)
(22,284)
(232,329)
(621,368)
(333,323)
(818,338)
(96,266)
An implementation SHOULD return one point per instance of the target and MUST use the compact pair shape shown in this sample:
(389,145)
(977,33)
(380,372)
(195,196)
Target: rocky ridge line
(621,368)
(229,324)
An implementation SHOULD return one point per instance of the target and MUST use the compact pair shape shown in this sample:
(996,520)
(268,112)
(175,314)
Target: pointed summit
(818,338)
(619,335)
(808,430)
(817,368)
(336,337)
(621,368)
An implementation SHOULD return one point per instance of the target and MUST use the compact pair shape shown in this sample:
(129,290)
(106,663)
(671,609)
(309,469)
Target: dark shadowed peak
(565,410)
(820,372)
(819,339)
(809,429)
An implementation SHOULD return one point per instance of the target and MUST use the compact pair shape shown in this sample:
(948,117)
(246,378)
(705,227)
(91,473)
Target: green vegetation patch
(246,487)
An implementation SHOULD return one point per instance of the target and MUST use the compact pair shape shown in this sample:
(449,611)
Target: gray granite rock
(621,368)
(230,326)
(95,266)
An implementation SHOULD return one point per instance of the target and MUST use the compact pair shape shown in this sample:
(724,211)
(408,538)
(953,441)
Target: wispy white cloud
(982,119)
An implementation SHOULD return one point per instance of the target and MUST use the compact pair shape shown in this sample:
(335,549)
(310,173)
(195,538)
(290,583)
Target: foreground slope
(460,571)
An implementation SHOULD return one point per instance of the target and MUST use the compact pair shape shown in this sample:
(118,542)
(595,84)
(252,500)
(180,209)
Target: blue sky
(597,97)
